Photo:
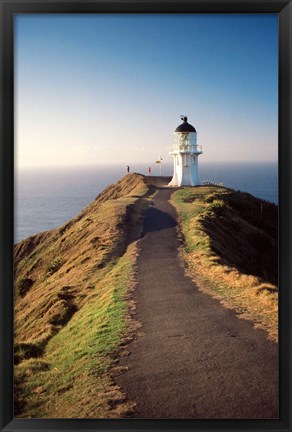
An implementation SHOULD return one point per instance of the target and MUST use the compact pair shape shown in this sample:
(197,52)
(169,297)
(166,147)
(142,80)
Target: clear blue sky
(99,89)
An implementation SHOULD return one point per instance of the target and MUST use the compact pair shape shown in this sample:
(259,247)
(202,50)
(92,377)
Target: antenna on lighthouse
(184,117)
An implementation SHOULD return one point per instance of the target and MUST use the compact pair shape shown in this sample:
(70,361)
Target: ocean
(46,198)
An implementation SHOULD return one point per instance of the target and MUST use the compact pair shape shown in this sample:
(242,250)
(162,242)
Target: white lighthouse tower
(185,152)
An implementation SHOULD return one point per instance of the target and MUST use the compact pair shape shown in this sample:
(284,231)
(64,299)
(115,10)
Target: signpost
(159,162)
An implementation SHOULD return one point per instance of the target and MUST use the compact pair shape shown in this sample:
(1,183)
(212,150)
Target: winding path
(195,359)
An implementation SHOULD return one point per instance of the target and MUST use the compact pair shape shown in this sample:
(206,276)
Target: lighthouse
(185,152)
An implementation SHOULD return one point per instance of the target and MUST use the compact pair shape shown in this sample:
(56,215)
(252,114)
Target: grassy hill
(231,249)
(71,311)
(73,306)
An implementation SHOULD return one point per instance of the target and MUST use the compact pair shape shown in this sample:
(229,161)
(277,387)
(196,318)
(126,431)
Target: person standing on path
(149,171)
(128,169)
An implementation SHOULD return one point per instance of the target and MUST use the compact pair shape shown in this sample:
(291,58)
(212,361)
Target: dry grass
(71,311)
(72,285)
(231,250)
(72,378)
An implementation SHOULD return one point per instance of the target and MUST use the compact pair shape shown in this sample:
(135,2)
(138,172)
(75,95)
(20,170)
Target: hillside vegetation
(231,249)
(71,309)
(73,306)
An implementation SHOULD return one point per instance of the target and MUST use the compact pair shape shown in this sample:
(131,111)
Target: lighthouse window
(177,160)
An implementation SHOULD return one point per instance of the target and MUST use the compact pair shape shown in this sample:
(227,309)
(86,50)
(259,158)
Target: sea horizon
(47,197)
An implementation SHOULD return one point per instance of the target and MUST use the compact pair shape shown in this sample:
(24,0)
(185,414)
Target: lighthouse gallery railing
(191,148)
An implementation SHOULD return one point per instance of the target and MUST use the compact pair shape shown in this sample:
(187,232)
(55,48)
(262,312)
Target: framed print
(145,215)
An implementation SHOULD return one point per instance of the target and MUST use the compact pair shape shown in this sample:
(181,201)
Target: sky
(106,89)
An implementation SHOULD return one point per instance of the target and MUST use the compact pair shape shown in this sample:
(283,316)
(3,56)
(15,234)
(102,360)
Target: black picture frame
(8,8)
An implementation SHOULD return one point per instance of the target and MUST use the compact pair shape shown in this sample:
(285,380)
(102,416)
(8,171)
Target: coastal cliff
(73,308)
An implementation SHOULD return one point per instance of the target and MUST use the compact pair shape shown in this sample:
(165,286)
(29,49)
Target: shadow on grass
(244,234)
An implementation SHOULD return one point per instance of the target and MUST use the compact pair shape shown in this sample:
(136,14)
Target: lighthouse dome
(185,127)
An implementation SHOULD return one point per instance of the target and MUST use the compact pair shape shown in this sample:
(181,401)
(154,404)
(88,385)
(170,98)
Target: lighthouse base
(186,171)
(175,183)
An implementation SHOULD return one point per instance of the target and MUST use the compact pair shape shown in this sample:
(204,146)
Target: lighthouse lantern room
(185,152)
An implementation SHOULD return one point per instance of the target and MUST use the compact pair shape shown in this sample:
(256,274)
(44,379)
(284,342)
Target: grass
(54,266)
(230,248)
(72,307)
(71,313)
(72,377)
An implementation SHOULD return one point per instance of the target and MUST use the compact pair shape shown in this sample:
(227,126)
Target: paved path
(195,358)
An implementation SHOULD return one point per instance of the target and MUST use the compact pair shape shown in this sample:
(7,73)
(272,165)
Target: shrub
(23,285)
(218,207)
(54,266)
